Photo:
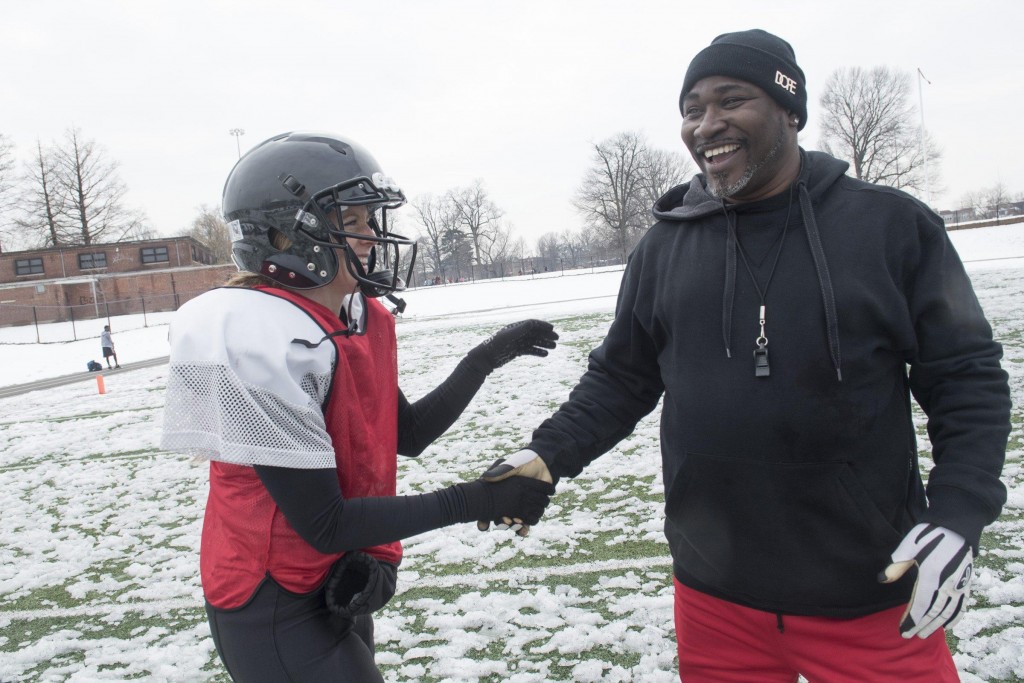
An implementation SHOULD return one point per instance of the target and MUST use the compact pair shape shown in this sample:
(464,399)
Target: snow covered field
(99,540)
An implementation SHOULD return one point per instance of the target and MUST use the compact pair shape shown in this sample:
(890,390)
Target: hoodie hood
(692,200)
(818,172)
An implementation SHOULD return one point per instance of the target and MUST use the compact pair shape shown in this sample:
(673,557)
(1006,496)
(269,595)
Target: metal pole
(238,133)
(924,149)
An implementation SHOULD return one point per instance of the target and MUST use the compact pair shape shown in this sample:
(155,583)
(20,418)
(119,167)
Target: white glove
(524,463)
(944,571)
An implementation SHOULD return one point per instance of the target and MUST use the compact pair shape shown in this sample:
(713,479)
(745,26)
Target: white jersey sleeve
(239,390)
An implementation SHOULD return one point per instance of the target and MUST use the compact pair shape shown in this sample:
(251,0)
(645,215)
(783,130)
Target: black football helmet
(291,184)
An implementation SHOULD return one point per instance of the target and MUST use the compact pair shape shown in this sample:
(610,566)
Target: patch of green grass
(602,576)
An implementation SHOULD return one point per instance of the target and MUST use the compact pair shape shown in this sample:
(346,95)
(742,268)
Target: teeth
(724,149)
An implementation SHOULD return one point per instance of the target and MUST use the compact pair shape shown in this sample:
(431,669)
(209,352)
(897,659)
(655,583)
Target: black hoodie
(789,492)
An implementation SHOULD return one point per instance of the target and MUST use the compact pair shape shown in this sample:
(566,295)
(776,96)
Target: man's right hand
(524,463)
(521,498)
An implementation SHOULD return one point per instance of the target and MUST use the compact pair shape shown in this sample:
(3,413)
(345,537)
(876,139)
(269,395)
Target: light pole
(238,133)
(924,148)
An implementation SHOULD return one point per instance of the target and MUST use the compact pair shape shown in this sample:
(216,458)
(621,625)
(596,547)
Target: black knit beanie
(757,57)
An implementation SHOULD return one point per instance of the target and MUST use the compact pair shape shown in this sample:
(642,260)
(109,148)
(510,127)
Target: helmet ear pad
(261,244)
(294,271)
(294,268)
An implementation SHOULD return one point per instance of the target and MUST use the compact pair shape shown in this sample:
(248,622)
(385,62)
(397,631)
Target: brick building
(99,280)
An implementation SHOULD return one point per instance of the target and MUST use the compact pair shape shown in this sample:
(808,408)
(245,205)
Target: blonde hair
(249,279)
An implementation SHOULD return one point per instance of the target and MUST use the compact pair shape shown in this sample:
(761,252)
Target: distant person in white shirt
(108,347)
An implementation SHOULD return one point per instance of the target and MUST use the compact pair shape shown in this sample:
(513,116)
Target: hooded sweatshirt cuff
(957,510)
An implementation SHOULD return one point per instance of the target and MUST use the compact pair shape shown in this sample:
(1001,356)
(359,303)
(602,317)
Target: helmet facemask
(322,222)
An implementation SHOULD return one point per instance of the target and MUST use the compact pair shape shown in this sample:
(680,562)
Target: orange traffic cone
(99,384)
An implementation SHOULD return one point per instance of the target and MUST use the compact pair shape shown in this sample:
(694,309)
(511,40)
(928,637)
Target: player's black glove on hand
(526,337)
(359,584)
(524,463)
(518,498)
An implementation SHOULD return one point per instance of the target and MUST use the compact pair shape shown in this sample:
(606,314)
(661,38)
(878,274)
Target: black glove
(518,498)
(526,337)
(359,584)
(524,463)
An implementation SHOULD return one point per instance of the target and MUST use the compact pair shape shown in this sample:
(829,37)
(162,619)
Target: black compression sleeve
(312,503)
(420,423)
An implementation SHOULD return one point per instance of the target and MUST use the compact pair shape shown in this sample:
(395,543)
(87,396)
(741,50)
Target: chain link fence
(42,324)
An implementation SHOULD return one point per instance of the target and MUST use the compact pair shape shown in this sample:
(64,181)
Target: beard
(718,182)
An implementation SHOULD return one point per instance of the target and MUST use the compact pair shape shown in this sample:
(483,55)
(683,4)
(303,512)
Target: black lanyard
(761,368)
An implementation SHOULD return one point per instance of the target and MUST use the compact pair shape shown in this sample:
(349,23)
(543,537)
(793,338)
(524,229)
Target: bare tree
(437,217)
(477,216)
(868,120)
(209,228)
(574,246)
(549,246)
(7,186)
(94,194)
(990,201)
(502,251)
(42,222)
(661,170)
(611,197)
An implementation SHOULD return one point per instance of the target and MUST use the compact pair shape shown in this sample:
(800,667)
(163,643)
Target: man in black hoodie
(788,313)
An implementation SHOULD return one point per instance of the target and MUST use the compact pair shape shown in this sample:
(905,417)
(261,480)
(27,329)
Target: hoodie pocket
(775,535)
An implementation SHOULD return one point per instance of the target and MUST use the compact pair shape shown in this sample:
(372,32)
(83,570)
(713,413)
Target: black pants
(282,636)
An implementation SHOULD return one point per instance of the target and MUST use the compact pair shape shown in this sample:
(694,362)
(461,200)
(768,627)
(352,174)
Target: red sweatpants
(721,642)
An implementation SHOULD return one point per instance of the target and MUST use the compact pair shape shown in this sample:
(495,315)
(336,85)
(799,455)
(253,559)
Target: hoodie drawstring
(729,293)
(824,279)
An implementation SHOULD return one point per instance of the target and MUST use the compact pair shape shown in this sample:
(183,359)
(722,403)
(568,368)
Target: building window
(97,260)
(155,255)
(28,266)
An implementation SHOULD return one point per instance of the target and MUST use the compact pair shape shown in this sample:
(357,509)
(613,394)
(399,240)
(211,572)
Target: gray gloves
(944,571)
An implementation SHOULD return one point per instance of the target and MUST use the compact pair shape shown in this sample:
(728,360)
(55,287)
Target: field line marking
(509,578)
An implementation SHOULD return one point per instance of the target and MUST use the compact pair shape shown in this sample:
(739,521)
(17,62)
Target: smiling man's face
(742,139)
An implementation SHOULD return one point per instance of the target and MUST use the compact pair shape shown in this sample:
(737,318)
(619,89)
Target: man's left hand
(945,568)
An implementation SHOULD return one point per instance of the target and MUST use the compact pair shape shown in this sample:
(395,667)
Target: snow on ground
(578,291)
(99,542)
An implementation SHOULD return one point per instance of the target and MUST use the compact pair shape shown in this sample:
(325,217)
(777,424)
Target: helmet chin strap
(367,279)
(382,278)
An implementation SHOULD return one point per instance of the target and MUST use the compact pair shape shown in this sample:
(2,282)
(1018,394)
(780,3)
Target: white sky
(447,91)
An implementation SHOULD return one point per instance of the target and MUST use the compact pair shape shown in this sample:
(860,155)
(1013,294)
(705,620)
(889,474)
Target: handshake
(512,493)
